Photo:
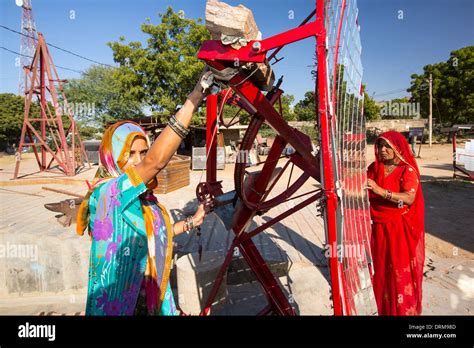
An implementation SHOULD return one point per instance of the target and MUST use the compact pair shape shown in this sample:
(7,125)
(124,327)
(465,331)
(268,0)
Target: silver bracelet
(178,127)
(174,128)
(190,223)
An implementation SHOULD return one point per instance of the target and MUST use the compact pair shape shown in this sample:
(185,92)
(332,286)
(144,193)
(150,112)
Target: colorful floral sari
(397,233)
(131,235)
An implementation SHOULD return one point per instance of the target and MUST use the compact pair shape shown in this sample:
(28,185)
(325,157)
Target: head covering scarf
(114,152)
(403,151)
(413,218)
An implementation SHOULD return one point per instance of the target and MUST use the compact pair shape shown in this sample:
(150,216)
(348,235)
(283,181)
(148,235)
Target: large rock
(235,25)
(223,19)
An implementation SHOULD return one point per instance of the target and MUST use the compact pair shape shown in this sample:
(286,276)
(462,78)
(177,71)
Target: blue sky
(393,48)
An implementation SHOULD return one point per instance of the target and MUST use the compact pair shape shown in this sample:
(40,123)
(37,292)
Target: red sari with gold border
(397,240)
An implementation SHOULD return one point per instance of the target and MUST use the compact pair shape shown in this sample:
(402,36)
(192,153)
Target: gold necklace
(389,169)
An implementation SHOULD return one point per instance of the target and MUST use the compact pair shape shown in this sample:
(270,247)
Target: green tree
(453,88)
(12,115)
(103,97)
(231,110)
(162,73)
(287,110)
(11,118)
(305,109)
(371,109)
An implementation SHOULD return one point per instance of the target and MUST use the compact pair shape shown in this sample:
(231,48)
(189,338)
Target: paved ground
(53,277)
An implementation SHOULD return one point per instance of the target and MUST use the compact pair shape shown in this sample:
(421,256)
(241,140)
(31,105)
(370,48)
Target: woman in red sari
(397,212)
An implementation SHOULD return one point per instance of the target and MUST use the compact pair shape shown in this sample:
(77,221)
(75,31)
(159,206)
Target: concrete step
(42,262)
(66,302)
(305,285)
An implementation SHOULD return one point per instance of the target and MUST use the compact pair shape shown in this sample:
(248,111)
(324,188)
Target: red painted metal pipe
(327,159)
(211,138)
(248,91)
(212,50)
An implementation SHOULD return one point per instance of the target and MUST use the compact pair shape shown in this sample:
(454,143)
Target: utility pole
(430,120)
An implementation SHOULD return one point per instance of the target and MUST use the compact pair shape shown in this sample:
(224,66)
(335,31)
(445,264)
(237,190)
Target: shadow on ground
(449,211)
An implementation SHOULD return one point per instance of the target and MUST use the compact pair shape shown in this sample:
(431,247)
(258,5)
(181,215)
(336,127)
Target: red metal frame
(217,56)
(215,50)
(41,78)
(211,140)
(327,159)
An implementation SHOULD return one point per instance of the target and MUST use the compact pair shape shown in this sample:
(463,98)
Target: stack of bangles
(188,224)
(388,195)
(178,127)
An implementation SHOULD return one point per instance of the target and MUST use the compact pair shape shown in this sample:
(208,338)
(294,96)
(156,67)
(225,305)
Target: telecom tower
(29,40)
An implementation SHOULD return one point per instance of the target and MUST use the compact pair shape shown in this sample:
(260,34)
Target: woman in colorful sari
(397,211)
(131,233)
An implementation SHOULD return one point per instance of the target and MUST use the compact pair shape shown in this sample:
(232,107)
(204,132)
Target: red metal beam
(327,160)
(43,105)
(306,20)
(211,138)
(253,96)
(214,49)
(280,217)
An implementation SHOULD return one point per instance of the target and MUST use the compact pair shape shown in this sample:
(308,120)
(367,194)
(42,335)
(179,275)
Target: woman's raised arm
(167,143)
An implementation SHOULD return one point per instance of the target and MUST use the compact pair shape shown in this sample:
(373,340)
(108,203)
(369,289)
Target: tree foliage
(371,109)
(162,73)
(453,88)
(287,110)
(305,109)
(11,118)
(105,98)
(12,108)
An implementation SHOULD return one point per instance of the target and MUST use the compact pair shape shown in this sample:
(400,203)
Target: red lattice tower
(46,130)
(28,43)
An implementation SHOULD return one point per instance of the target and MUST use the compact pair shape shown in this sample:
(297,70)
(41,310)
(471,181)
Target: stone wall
(399,125)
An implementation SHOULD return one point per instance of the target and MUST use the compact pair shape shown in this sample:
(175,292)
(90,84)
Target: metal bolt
(256,46)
